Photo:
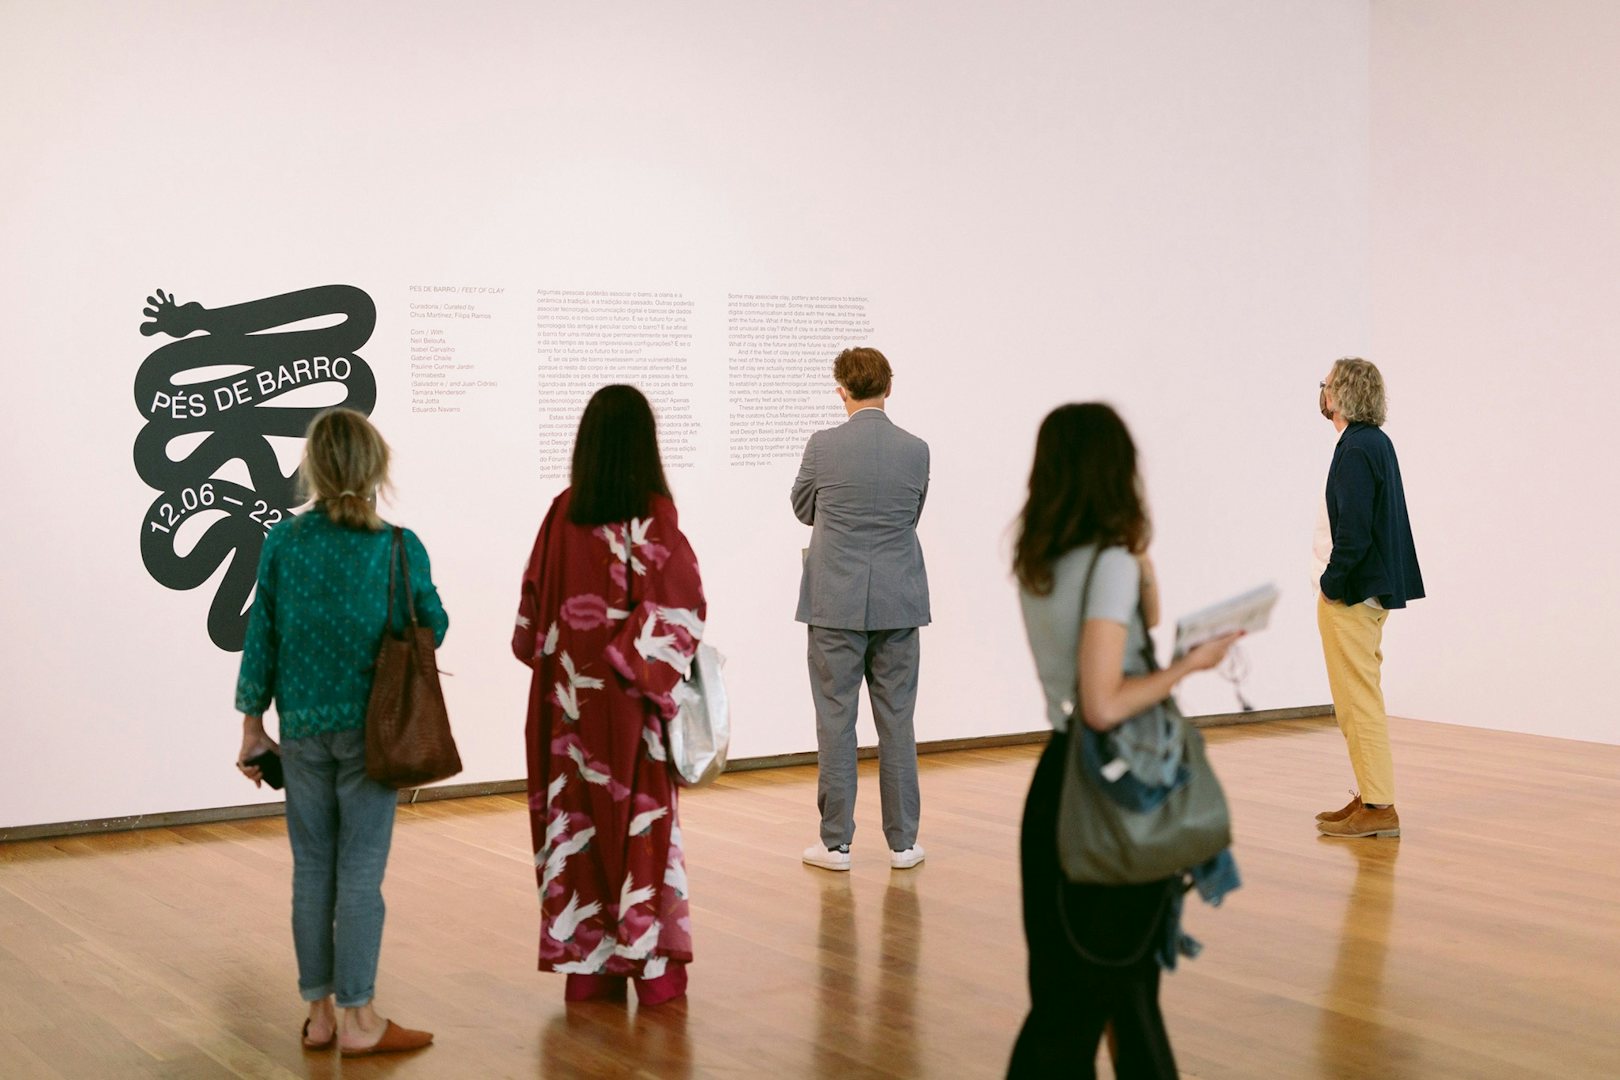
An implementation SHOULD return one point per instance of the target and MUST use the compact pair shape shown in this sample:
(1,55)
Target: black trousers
(1072,998)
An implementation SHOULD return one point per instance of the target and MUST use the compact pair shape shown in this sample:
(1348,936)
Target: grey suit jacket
(861,486)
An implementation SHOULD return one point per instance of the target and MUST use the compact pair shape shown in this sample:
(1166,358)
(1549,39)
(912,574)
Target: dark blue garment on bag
(1213,879)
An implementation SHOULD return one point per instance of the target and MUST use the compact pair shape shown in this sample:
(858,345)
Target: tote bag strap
(399,561)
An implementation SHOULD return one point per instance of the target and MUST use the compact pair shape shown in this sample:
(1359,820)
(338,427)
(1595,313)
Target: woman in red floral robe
(609,619)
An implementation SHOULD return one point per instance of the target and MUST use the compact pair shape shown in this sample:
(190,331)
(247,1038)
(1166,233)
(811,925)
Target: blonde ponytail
(345,467)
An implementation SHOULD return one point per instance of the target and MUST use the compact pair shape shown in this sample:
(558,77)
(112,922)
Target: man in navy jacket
(1368,567)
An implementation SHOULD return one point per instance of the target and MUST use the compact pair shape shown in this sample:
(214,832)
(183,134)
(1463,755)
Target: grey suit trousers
(887,660)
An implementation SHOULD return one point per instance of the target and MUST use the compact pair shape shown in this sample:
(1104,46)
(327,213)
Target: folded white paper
(1248,612)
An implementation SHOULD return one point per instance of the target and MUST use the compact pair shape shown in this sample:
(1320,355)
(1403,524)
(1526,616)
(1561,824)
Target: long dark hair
(616,468)
(1083,489)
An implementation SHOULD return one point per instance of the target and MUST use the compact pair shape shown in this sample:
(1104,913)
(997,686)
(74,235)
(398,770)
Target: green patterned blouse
(318,619)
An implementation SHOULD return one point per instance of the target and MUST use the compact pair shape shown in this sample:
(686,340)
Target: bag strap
(399,560)
(393,564)
(1148,655)
(1085,599)
(1155,929)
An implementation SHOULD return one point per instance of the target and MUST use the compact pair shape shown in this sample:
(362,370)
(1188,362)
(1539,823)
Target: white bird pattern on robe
(638,538)
(655,745)
(630,896)
(642,946)
(555,788)
(661,647)
(568,919)
(567,700)
(655,967)
(592,964)
(556,828)
(638,531)
(620,551)
(550,644)
(675,877)
(590,775)
(523,621)
(642,822)
(559,855)
(568,696)
(685,618)
(575,679)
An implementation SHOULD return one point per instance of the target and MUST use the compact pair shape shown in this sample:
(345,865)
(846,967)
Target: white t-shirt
(1322,551)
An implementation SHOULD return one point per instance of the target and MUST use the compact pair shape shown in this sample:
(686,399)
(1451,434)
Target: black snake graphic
(237,367)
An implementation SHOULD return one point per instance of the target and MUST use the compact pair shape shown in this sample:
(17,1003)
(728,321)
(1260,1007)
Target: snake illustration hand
(235,416)
(166,316)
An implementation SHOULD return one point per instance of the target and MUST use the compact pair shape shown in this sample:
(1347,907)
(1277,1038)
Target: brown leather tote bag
(408,740)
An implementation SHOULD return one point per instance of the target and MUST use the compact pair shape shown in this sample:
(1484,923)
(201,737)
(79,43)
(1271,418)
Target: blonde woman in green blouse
(317,620)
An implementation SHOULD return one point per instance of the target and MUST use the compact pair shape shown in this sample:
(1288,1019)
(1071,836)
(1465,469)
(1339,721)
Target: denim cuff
(315,993)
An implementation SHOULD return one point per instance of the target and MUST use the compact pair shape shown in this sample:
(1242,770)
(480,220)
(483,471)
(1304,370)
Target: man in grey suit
(864,594)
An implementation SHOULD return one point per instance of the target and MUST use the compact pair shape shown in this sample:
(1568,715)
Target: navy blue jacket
(1373,553)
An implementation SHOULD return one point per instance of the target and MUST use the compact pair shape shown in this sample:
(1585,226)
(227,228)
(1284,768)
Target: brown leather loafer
(1364,821)
(1339,815)
(395,1040)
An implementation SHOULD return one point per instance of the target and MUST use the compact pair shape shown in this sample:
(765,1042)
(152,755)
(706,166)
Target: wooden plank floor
(1484,943)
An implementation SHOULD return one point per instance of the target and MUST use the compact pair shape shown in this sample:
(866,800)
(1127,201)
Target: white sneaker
(820,855)
(905,860)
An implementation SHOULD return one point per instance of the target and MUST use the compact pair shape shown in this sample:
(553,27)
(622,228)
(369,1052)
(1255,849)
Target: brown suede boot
(1339,815)
(1364,821)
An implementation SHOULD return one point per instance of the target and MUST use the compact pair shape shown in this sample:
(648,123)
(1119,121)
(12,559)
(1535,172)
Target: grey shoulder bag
(1102,842)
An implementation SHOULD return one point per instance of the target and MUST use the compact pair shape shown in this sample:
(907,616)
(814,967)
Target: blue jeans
(341,823)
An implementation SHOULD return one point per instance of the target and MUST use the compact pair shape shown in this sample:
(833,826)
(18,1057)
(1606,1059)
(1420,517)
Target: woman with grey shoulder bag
(1094,950)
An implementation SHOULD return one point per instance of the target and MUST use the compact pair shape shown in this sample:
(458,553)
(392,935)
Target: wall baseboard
(503,787)
(1260,716)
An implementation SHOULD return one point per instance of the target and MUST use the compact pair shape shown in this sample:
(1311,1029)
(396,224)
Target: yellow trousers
(1352,645)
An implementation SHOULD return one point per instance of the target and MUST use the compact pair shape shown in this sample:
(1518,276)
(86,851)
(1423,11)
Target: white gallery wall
(1495,291)
(1161,204)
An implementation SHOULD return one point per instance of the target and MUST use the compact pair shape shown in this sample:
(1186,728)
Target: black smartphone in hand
(269,765)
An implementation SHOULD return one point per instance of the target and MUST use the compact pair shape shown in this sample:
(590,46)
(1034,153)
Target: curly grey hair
(1358,390)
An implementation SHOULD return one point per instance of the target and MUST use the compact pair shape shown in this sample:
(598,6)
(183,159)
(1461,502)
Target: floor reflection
(1353,1033)
(595,1038)
(852,1024)
(894,1028)
(838,979)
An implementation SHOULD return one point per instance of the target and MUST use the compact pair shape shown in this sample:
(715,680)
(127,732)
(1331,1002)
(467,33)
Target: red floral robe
(609,620)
